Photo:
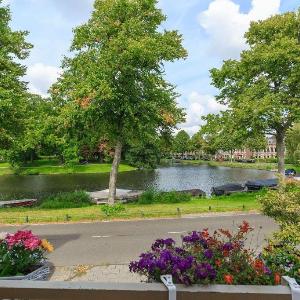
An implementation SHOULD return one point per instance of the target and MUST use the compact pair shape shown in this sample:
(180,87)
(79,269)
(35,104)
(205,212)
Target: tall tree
(181,142)
(262,88)
(13,48)
(222,132)
(116,74)
(198,144)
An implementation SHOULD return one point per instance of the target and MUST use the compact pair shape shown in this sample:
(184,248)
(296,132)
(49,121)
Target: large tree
(221,130)
(115,76)
(181,142)
(13,95)
(262,88)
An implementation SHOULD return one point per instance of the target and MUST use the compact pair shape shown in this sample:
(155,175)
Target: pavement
(101,251)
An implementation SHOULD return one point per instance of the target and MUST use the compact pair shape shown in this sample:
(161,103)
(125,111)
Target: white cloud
(197,106)
(41,77)
(226,25)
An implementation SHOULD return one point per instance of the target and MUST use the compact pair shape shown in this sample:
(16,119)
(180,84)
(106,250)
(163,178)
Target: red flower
(226,233)
(205,233)
(218,262)
(228,279)
(277,278)
(225,253)
(245,227)
(259,265)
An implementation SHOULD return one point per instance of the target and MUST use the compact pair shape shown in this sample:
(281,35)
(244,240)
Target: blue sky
(212,30)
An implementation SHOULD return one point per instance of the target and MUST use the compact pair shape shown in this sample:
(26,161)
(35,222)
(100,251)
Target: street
(113,243)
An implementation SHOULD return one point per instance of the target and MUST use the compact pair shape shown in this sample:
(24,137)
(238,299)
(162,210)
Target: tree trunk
(280,149)
(114,174)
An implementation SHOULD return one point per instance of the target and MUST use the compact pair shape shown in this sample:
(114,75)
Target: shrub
(21,253)
(283,252)
(283,205)
(152,196)
(66,200)
(112,210)
(204,258)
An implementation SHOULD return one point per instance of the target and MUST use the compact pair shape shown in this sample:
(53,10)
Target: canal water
(177,177)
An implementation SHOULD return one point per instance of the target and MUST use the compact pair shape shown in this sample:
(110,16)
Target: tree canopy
(262,88)
(13,91)
(181,142)
(114,80)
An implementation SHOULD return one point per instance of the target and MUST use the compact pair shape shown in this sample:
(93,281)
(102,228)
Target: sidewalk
(109,273)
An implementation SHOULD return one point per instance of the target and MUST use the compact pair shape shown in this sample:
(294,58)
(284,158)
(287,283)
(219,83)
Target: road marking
(101,236)
(176,232)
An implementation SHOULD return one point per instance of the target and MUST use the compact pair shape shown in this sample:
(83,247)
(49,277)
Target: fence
(30,290)
(177,212)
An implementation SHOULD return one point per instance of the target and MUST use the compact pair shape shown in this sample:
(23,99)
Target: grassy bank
(257,165)
(54,167)
(237,202)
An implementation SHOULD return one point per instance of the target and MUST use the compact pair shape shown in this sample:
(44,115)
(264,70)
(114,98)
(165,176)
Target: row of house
(269,152)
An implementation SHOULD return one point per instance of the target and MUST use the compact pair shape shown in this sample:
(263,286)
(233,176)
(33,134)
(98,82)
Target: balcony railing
(28,290)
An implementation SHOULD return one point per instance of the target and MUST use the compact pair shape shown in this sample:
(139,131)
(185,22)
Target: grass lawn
(54,167)
(256,165)
(237,202)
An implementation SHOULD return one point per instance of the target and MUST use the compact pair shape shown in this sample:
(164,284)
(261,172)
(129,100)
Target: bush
(21,253)
(283,205)
(204,258)
(151,196)
(112,210)
(66,200)
(283,251)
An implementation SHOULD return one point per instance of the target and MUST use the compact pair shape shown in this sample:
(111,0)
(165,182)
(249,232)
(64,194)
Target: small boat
(257,185)
(290,172)
(227,189)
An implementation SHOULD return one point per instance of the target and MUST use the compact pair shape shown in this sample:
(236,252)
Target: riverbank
(256,165)
(238,202)
(47,167)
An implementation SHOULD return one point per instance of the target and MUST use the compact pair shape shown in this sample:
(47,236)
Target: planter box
(52,290)
(42,273)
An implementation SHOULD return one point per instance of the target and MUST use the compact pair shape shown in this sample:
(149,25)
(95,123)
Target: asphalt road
(120,242)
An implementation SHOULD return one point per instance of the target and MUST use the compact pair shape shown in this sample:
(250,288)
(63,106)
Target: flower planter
(42,273)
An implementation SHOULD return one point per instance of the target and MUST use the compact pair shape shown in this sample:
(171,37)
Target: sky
(212,30)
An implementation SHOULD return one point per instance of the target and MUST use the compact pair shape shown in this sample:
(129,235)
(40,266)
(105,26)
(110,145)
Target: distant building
(269,152)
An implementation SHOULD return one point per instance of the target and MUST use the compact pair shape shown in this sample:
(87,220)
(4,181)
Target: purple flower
(205,270)
(184,264)
(180,251)
(208,253)
(227,246)
(267,271)
(161,243)
(192,237)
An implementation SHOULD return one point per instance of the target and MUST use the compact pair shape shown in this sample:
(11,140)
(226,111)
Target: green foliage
(66,200)
(112,210)
(181,142)
(114,83)
(152,196)
(262,89)
(13,97)
(143,156)
(283,252)
(283,204)
(293,144)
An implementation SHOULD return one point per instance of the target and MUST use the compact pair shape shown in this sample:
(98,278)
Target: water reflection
(177,177)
